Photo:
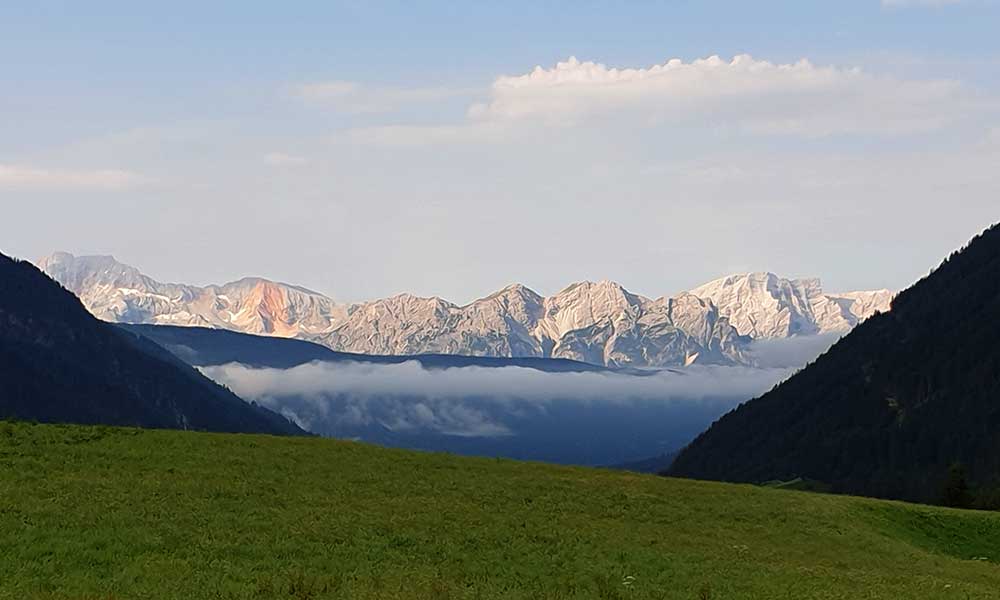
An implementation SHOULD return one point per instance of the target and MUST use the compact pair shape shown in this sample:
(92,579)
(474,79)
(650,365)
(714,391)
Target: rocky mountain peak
(600,322)
(764,305)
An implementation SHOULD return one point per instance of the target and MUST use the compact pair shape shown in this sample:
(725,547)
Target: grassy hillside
(98,512)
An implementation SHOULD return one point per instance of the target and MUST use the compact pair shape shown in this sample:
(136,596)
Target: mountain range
(904,406)
(595,322)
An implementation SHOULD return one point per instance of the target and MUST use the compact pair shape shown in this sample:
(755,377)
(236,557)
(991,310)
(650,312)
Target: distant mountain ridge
(892,407)
(596,322)
(60,364)
(116,292)
(206,347)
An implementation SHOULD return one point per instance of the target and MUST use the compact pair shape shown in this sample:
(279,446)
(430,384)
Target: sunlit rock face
(596,322)
(765,306)
(116,292)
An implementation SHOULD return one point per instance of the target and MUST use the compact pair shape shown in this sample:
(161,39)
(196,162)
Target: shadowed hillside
(60,364)
(907,398)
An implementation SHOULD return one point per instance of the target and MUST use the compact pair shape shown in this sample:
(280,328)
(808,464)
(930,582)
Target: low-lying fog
(596,418)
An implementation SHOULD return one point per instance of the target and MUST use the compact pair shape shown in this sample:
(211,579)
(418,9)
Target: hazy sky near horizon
(368,148)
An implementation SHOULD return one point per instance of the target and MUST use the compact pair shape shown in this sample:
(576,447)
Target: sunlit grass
(92,512)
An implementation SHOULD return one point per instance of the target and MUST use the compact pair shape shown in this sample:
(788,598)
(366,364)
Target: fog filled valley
(590,418)
(593,375)
(538,409)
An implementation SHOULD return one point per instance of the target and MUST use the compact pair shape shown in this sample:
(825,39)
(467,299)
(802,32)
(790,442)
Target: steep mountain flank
(60,364)
(891,407)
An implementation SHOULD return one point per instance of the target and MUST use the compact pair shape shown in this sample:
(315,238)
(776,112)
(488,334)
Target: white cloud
(357,98)
(743,93)
(35,178)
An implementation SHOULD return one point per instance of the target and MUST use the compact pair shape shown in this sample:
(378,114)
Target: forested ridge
(905,406)
(60,364)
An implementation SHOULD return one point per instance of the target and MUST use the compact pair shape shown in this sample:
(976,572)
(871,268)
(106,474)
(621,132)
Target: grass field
(104,513)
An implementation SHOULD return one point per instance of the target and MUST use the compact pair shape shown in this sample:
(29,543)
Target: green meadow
(111,513)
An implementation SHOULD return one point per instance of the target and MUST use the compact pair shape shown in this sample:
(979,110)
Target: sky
(364,149)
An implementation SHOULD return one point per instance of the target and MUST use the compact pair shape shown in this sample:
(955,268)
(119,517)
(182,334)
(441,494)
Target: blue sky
(363,148)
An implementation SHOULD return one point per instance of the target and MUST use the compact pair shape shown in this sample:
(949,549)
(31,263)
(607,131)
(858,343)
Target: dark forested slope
(60,364)
(892,406)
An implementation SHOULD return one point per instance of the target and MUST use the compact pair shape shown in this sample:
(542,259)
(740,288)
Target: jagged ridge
(601,323)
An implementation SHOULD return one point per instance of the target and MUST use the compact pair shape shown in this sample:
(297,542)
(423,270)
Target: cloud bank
(332,397)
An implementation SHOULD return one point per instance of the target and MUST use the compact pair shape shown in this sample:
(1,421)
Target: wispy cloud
(428,135)
(281,159)
(24,177)
(356,98)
